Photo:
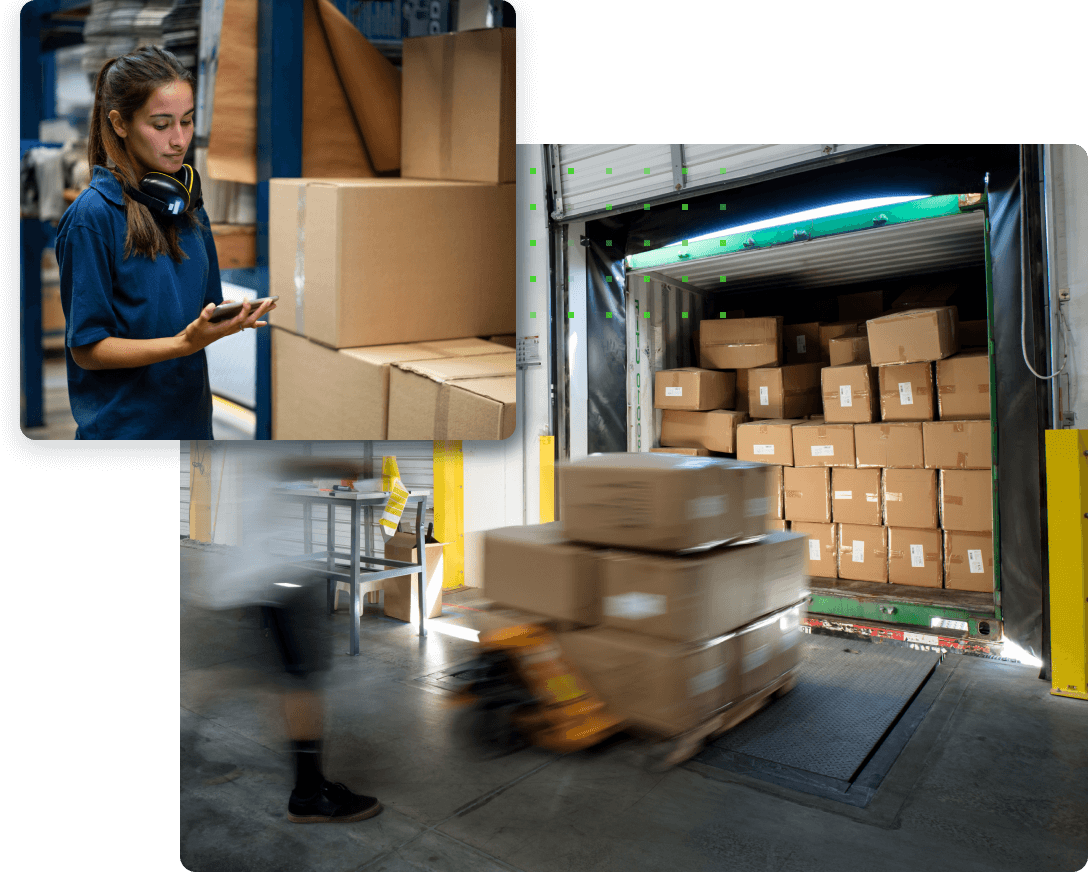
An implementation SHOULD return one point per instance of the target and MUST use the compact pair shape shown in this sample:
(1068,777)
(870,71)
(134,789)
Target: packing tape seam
(445,123)
(300,261)
(442,412)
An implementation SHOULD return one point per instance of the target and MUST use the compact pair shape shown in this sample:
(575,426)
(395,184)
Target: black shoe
(332,803)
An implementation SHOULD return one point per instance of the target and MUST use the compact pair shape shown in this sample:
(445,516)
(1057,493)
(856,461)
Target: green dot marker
(570,171)
(533,207)
(721,314)
(532,171)
(570,314)
(646,171)
(646,314)
(532,242)
(683,314)
(721,278)
(646,242)
(723,206)
(607,170)
(532,278)
(532,314)
(722,171)
(684,171)
(608,242)
(608,278)
(645,277)
(684,278)
(608,207)
(646,206)
(721,243)
(608,314)
(684,242)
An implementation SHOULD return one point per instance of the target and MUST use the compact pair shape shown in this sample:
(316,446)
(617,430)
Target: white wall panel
(1070,170)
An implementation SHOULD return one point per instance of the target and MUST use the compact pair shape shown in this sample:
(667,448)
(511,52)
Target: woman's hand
(202,333)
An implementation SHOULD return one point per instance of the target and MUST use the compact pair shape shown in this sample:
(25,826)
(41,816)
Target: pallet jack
(521,691)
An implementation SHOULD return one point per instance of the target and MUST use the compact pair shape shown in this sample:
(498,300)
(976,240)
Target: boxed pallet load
(821,547)
(697,596)
(963,386)
(740,343)
(740,402)
(833,331)
(965,445)
(662,502)
(769,648)
(863,553)
(861,306)
(807,493)
(848,350)
(802,343)
(910,498)
(716,430)
(354,382)
(778,510)
(681,450)
(969,561)
(459,106)
(856,496)
(777,525)
(694,390)
(534,569)
(401,599)
(464,398)
(912,336)
(915,557)
(823,445)
(787,392)
(966,500)
(906,393)
(851,393)
(420,275)
(889,445)
(769,441)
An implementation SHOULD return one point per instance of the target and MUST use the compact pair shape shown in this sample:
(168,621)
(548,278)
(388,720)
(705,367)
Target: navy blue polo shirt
(103,294)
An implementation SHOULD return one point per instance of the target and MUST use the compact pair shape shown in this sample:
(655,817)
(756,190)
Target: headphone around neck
(169,196)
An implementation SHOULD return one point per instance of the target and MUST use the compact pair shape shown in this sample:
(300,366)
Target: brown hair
(125,84)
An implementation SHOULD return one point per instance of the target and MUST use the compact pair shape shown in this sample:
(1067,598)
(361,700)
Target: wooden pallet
(665,754)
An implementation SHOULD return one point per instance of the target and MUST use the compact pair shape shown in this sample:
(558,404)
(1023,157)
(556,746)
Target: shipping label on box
(693,389)
(716,431)
(740,343)
(906,393)
(802,343)
(848,350)
(821,547)
(823,445)
(863,553)
(768,440)
(969,561)
(889,444)
(856,496)
(966,500)
(963,387)
(915,557)
(787,392)
(807,493)
(910,498)
(958,445)
(850,393)
(914,336)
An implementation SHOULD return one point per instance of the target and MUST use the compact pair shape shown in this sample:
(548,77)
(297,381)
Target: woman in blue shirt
(138,290)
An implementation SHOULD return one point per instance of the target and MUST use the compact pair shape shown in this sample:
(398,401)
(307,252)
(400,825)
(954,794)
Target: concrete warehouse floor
(994,778)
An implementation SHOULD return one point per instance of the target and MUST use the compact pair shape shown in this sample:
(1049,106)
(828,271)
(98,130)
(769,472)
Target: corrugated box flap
(503,389)
(474,367)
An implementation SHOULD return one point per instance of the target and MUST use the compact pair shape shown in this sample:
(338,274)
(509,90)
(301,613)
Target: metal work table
(352,567)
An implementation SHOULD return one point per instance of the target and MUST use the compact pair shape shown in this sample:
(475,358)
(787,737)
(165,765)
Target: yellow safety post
(1067,524)
(547,479)
(200,490)
(449,511)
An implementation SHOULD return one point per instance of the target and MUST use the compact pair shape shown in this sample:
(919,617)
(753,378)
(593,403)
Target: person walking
(139,274)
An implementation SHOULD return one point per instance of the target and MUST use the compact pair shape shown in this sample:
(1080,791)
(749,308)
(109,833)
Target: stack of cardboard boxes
(878,427)
(385,284)
(676,602)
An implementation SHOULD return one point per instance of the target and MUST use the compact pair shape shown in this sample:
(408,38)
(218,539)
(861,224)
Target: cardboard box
(974,334)
(390,260)
(740,343)
(509,341)
(821,542)
(863,553)
(848,350)
(963,445)
(923,296)
(851,393)
(861,306)
(715,430)
(462,398)
(534,568)
(969,561)
(963,387)
(788,392)
(833,331)
(768,440)
(889,444)
(354,382)
(817,418)
(768,649)
(655,684)
(802,343)
(777,525)
(778,509)
(823,445)
(681,450)
(402,593)
(661,502)
(915,557)
(857,496)
(906,393)
(910,498)
(807,494)
(696,596)
(694,390)
(966,500)
(458,106)
(912,337)
(740,403)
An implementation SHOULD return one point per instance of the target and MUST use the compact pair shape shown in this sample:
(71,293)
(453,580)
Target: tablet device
(226,311)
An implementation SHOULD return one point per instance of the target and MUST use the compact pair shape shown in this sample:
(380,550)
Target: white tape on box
(709,506)
(756,506)
(706,681)
(634,606)
(844,495)
(755,659)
